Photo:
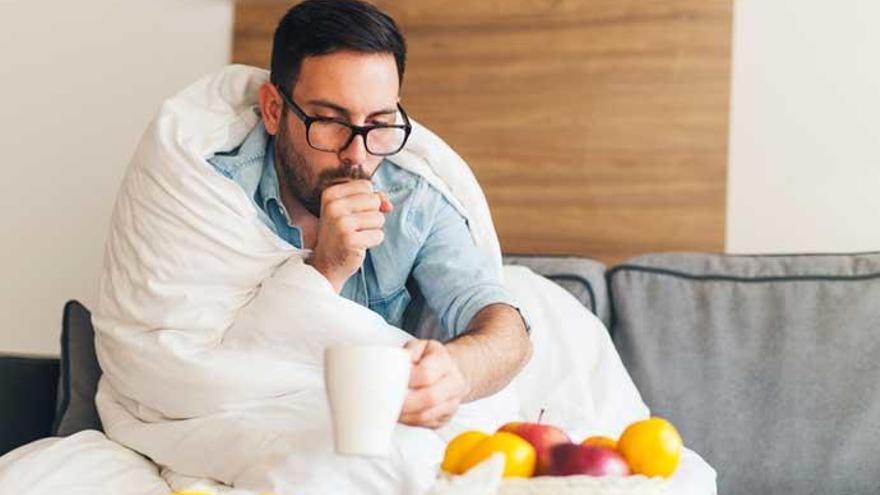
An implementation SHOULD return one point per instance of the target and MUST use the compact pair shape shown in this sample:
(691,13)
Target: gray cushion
(583,277)
(79,373)
(768,364)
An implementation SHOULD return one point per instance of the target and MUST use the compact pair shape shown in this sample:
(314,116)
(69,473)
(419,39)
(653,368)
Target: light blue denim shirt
(426,241)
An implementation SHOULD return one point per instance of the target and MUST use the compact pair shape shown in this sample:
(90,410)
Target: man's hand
(436,387)
(352,217)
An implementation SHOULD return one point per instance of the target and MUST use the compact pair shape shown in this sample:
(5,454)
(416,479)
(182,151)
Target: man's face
(357,88)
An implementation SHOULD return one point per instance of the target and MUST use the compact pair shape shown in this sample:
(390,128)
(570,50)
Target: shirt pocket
(388,269)
(392,307)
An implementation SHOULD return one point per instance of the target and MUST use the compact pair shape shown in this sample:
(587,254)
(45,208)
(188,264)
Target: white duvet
(210,332)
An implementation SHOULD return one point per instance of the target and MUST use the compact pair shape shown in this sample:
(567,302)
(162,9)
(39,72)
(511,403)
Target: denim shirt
(427,241)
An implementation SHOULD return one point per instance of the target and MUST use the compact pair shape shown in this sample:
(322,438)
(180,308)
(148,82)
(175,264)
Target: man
(316,169)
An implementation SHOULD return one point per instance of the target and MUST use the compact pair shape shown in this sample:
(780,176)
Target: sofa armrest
(28,392)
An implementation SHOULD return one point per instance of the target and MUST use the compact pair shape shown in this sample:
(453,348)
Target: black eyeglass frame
(356,130)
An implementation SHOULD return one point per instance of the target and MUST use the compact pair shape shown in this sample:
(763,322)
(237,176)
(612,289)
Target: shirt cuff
(484,296)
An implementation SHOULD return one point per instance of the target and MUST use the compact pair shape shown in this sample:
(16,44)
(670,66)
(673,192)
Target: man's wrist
(459,353)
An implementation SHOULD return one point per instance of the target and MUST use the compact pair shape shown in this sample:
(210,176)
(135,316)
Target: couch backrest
(768,364)
(584,278)
(27,399)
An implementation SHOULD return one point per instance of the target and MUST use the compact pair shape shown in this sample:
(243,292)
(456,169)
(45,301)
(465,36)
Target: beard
(299,178)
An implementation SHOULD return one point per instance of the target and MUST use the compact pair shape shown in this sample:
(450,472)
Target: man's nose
(355,153)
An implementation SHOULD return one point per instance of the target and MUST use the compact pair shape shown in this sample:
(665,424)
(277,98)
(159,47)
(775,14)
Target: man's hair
(321,27)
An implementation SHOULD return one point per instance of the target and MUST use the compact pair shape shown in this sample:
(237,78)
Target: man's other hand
(352,217)
(436,387)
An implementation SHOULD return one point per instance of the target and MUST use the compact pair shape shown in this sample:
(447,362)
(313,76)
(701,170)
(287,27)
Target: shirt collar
(269,188)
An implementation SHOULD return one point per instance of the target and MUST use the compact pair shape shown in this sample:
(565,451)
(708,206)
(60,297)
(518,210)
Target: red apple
(542,437)
(594,460)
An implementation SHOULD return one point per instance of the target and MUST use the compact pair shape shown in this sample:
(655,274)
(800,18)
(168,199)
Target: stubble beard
(299,178)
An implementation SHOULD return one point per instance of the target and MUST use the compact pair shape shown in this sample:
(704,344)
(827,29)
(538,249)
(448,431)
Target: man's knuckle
(432,373)
(420,376)
(372,239)
(432,370)
(328,195)
(333,208)
(432,397)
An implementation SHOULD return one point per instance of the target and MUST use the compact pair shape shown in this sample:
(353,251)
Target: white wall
(79,81)
(804,170)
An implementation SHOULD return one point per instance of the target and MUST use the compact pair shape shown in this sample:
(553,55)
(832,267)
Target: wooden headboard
(596,127)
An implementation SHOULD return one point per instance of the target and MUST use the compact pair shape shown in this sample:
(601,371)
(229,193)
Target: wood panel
(596,127)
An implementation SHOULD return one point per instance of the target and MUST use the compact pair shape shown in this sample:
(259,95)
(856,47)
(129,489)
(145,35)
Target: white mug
(366,386)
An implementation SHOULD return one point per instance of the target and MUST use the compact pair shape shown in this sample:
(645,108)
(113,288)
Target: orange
(651,447)
(601,441)
(458,447)
(519,455)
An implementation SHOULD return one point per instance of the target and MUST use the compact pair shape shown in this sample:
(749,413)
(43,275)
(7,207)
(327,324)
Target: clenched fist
(352,217)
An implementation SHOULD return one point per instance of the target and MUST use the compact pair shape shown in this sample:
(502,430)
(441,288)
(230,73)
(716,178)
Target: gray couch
(767,364)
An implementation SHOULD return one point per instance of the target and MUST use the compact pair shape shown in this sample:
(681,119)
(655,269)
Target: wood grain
(596,127)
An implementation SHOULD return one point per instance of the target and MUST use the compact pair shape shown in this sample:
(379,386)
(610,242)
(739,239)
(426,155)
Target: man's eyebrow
(344,111)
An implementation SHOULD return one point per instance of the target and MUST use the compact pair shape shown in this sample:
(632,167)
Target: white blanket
(211,330)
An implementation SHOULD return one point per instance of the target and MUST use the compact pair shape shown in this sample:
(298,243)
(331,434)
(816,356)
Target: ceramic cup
(366,386)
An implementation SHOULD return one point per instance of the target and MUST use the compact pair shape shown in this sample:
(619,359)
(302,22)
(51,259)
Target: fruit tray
(584,485)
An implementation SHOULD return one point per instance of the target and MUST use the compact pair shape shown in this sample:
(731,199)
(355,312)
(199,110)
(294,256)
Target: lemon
(651,447)
(519,455)
(458,447)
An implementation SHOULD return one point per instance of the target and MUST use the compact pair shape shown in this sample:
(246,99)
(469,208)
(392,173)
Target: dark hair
(321,27)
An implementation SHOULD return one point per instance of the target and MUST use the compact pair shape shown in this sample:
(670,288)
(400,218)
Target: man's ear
(270,107)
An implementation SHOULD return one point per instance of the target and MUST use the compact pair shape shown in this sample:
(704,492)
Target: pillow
(583,277)
(767,364)
(79,373)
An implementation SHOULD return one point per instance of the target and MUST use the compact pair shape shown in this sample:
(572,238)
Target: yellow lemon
(458,447)
(651,447)
(519,455)
(601,441)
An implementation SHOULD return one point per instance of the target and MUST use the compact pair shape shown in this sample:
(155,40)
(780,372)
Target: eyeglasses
(333,135)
